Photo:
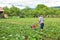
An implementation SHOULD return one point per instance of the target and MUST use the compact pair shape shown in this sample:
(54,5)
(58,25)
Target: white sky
(30,3)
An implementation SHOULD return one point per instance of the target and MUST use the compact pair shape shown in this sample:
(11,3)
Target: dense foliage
(17,29)
(33,12)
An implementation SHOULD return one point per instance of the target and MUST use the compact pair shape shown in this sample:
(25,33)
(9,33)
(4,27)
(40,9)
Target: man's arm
(39,19)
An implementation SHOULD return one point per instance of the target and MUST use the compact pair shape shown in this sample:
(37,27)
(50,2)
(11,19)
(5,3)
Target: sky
(30,3)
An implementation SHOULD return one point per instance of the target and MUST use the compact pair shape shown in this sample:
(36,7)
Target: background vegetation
(33,12)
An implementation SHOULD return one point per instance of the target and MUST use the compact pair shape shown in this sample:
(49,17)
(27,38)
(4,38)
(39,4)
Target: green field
(17,28)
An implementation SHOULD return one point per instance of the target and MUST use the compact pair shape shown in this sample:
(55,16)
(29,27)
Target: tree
(41,6)
(26,12)
(6,10)
(41,9)
(14,11)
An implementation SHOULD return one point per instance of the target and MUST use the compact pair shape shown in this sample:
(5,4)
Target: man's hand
(39,21)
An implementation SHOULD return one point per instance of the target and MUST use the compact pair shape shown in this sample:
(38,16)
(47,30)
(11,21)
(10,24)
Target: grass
(17,28)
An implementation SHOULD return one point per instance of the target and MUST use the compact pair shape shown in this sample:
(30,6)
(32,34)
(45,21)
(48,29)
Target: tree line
(40,9)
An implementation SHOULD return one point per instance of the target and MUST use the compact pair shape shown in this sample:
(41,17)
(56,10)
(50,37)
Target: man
(41,21)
